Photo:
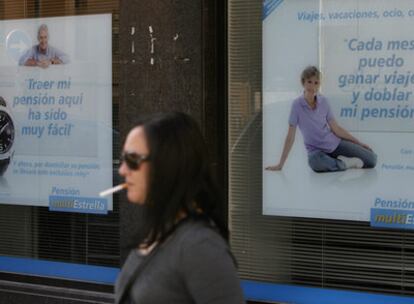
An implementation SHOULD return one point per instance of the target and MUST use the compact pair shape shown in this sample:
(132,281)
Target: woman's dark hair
(180,177)
(309,72)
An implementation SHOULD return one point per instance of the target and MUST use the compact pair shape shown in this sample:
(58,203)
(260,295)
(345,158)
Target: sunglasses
(133,160)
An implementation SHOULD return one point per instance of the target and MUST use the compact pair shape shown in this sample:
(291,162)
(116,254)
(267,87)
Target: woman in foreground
(185,257)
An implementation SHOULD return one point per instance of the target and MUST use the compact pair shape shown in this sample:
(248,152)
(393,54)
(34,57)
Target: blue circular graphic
(17,43)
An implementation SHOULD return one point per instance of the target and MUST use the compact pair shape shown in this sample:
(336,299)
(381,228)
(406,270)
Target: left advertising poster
(56,112)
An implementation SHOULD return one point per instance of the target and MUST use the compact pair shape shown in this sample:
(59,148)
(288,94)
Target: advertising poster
(364,50)
(56,112)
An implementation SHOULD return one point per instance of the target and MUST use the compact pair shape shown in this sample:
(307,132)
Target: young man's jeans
(327,162)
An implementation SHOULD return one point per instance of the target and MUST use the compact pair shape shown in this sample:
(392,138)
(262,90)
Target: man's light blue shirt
(51,53)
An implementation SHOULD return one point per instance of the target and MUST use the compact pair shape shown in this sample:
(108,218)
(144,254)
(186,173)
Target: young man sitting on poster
(330,147)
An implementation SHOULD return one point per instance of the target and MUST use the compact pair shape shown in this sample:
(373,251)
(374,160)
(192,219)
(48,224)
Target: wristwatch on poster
(6,136)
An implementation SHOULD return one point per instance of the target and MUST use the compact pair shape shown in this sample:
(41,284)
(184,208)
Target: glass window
(59,77)
(284,230)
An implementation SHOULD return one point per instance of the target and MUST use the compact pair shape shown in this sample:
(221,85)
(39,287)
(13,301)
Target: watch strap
(3,102)
(4,163)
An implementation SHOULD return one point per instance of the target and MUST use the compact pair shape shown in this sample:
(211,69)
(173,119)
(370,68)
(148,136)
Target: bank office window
(59,116)
(343,230)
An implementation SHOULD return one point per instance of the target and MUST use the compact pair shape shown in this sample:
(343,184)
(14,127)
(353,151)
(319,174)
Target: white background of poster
(301,33)
(78,163)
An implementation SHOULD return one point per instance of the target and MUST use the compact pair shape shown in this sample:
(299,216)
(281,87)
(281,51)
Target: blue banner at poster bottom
(392,218)
(78,204)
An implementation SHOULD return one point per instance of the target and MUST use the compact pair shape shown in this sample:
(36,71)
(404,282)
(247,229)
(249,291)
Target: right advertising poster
(349,153)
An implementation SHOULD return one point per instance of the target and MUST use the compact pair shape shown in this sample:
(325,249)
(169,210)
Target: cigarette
(113,190)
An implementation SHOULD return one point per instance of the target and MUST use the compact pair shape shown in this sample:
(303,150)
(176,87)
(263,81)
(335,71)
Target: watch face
(6,132)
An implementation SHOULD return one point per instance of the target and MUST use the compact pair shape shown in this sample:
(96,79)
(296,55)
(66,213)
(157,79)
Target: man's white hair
(43,27)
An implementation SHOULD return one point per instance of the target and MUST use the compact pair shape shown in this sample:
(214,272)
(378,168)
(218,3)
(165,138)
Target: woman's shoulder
(201,241)
(193,232)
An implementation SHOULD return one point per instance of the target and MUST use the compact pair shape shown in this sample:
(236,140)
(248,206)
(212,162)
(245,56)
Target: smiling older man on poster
(43,54)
